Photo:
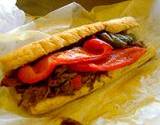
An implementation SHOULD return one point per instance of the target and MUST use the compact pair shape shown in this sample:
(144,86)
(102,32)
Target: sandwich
(51,72)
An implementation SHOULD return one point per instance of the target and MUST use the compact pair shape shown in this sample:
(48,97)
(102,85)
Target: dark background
(42,7)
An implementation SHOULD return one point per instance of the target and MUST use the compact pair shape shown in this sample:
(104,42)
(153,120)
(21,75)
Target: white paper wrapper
(10,15)
(135,102)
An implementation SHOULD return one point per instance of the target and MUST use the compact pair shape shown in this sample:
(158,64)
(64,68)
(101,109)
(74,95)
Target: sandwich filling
(65,71)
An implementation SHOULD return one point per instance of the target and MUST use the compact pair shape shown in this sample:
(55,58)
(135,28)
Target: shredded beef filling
(58,83)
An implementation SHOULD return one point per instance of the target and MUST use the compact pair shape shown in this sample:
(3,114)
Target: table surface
(42,7)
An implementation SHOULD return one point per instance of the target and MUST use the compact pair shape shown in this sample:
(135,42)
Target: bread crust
(37,49)
(50,104)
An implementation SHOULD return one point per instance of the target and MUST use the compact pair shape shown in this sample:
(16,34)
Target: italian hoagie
(54,71)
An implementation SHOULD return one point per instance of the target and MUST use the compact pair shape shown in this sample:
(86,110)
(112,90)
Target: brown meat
(33,95)
(59,83)
(10,82)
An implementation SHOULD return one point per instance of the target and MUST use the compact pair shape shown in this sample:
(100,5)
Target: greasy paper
(132,101)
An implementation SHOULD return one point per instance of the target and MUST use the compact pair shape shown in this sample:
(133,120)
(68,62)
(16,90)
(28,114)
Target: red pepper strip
(30,75)
(93,49)
(42,69)
(76,82)
(118,59)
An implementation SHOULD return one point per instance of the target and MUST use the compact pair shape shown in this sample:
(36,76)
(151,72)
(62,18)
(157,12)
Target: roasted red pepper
(32,74)
(119,58)
(93,49)
(76,82)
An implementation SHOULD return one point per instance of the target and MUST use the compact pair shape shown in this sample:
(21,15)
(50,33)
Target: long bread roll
(37,49)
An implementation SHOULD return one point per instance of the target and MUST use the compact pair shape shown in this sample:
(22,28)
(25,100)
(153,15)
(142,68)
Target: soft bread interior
(58,101)
(37,49)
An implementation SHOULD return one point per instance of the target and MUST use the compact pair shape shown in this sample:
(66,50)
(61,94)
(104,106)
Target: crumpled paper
(59,20)
(10,15)
(127,102)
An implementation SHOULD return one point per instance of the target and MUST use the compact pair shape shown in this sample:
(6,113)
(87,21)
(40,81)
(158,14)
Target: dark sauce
(69,121)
